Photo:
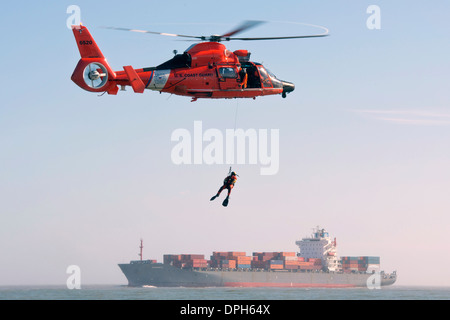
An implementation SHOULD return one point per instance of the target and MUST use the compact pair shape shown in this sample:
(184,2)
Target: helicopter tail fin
(93,73)
(86,44)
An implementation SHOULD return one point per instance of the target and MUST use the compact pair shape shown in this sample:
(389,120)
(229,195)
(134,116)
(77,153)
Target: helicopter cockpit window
(265,80)
(178,61)
(271,74)
(275,82)
(227,72)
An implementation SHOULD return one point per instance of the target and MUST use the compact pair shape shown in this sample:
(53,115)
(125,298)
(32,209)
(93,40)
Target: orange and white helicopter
(205,70)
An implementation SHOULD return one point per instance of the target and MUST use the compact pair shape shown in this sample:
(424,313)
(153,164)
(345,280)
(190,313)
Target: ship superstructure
(320,246)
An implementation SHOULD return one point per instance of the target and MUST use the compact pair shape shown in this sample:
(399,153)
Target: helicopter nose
(287,87)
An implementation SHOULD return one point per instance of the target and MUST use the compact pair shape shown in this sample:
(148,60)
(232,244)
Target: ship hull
(163,275)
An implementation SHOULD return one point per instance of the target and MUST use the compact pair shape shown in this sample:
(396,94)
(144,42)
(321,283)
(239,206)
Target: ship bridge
(320,246)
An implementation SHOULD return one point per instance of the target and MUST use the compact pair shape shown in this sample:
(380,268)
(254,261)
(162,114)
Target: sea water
(121,292)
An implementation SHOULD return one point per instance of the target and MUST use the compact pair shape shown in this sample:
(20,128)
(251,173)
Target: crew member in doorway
(244,78)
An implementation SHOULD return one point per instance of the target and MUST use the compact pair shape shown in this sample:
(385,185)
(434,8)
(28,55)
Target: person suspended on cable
(228,183)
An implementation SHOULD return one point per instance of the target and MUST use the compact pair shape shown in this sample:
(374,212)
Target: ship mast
(140,249)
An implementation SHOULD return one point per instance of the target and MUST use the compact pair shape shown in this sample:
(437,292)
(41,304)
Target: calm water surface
(120,292)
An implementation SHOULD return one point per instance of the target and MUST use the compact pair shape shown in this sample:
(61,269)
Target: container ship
(315,265)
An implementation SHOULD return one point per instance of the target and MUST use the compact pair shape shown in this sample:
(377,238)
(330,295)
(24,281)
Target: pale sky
(364,140)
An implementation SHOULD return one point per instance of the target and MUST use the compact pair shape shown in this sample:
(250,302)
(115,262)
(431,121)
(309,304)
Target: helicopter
(206,69)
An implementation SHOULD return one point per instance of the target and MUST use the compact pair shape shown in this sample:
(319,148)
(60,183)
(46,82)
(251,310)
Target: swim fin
(225,202)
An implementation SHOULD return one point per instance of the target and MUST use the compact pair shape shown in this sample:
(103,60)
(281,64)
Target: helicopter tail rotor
(95,75)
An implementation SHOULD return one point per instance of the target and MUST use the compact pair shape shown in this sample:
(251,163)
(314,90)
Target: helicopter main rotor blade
(159,33)
(227,36)
(278,38)
(246,25)
(326,33)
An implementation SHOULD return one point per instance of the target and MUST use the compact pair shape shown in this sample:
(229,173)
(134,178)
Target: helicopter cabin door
(228,77)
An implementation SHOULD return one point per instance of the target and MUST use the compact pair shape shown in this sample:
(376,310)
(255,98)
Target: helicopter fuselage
(204,70)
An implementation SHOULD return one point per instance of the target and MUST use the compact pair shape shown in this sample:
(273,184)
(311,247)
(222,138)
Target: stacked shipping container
(186,260)
(360,264)
(284,260)
(239,260)
(230,260)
